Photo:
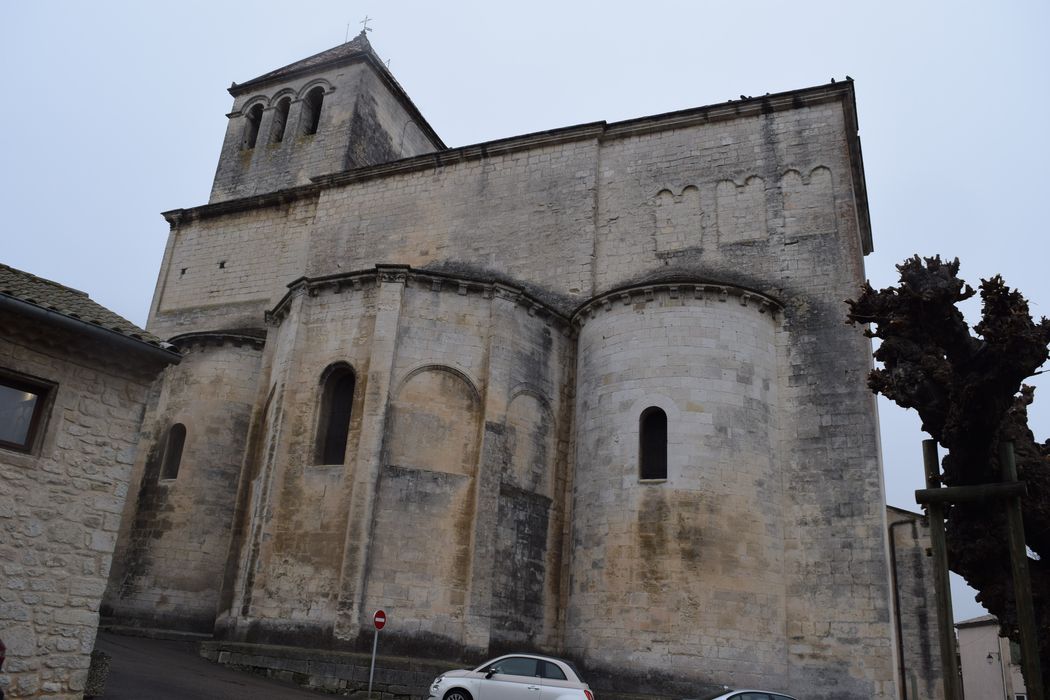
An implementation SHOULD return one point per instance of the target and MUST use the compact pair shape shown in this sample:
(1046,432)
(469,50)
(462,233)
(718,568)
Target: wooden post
(1033,678)
(942,586)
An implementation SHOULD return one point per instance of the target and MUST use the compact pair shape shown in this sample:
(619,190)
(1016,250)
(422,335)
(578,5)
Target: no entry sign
(378,619)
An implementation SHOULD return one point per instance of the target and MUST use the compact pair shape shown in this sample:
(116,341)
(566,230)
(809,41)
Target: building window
(312,110)
(23,403)
(251,128)
(280,120)
(169,468)
(333,428)
(652,444)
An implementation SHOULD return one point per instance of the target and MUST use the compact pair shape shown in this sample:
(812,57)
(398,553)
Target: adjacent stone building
(74,382)
(586,391)
(912,570)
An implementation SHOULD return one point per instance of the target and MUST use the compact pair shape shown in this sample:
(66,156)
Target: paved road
(152,669)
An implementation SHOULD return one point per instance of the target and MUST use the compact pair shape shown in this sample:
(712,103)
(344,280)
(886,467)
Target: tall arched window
(312,110)
(333,428)
(652,444)
(169,468)
(251,128)
(280,120)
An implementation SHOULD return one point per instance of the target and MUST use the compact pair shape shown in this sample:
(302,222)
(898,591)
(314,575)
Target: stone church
(587,391)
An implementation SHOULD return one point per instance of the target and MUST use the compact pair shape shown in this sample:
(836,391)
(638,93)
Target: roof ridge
(45,280)
(359,45)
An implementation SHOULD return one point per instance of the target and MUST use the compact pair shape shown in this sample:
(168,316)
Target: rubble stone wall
(61,504)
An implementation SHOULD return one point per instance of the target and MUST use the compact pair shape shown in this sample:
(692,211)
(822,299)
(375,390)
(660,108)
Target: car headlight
(437,682)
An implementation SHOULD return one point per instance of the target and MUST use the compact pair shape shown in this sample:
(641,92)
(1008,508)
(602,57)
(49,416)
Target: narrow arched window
(312,110)
(251,128)
(652,444)
(280,120)
(173,451)
(333,428)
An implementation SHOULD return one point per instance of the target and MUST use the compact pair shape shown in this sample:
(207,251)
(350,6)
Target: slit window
(312,110)
(251,128)
(169,468)
(280,120)
(337,399)
(22,407)
(652,444)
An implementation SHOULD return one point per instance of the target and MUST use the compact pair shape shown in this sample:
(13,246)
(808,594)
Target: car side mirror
(492,671)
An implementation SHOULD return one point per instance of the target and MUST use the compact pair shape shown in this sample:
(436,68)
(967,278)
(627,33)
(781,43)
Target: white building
(991,665)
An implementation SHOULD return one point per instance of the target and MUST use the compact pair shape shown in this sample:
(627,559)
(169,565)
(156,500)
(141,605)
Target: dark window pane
(17,407)
(173,451)
(653,444)
(518,666)
(312,110)
(280,120)
(552,671)
(251,129)
(333,429)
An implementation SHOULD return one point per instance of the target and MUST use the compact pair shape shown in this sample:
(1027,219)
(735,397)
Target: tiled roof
(358,45)
(74,304)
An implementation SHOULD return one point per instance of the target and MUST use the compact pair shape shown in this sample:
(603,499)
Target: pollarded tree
(967,389)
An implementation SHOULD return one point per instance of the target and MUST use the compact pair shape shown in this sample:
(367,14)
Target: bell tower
(334,111)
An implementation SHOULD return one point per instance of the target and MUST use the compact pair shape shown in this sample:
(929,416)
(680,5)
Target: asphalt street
(153,669)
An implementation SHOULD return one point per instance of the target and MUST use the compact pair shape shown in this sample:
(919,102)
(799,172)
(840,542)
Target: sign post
(378,619)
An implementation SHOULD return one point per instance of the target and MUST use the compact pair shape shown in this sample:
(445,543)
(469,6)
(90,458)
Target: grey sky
(115,112)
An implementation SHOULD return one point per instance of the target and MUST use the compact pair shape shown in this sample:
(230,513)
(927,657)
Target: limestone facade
(502,317)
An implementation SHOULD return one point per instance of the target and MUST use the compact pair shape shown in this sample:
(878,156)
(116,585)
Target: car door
(517,678)
(555,685)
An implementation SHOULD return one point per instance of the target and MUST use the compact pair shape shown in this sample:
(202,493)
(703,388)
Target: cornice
(683,292)
(256,340)
(368,279)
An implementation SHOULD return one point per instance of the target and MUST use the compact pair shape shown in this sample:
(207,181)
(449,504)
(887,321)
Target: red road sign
(379,619)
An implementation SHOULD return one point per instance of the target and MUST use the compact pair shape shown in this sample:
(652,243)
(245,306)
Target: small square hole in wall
(183,271)
(222,264)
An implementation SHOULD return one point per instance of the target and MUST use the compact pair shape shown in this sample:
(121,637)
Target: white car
(513,677)
(745,695)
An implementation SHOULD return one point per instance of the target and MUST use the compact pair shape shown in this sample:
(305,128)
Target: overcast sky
(116,112)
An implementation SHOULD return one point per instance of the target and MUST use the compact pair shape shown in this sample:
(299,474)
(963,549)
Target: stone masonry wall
(468,359)
(290,570)
(225,273)
(684,572)
(60,507)
(175,538)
